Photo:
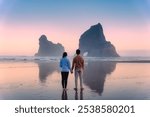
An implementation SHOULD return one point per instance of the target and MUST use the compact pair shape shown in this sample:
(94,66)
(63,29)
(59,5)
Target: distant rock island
(94,43)
(48,48)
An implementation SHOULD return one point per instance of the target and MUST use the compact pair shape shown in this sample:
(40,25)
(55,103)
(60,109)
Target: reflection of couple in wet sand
(77,66)
(77,96)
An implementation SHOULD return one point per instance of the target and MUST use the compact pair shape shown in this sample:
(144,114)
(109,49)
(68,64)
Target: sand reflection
(79,95)
(46,69)
(95,74)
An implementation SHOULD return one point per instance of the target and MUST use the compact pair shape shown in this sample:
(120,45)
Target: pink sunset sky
(20,28)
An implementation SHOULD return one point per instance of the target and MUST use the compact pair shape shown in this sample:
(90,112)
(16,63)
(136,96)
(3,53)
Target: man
(78,65)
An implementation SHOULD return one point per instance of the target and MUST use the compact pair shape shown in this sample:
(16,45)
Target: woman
(65,68)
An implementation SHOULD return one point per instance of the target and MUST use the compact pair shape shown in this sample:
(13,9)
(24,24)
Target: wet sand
(41,80)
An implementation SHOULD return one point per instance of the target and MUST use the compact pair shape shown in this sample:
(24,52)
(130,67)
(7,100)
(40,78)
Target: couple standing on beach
(77,66)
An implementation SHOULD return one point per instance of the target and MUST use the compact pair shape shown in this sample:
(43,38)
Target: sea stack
(48,48)
(94,43)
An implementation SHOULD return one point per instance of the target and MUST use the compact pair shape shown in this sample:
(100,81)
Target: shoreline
(87,59)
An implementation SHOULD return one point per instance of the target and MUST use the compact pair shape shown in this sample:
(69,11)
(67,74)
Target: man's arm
(83,64)
(73,64)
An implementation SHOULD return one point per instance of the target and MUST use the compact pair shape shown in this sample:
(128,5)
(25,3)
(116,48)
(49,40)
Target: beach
(29,78)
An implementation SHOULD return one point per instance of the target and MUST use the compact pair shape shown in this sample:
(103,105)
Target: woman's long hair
(64,54)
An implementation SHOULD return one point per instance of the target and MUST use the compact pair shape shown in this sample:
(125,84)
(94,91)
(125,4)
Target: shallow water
(40,80)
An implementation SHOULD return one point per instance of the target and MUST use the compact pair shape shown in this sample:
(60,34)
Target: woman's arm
(60,63)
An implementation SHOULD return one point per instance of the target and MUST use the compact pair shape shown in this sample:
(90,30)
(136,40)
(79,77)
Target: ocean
(38,78)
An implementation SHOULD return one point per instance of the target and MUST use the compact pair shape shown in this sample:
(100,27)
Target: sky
(126,24)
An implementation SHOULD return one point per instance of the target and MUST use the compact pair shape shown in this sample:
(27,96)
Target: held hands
(71,71)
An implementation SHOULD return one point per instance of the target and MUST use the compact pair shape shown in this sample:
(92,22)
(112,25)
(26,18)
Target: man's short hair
(77,51)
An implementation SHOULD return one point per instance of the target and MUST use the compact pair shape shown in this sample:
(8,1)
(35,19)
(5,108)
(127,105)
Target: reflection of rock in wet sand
(46,68)
(95,74)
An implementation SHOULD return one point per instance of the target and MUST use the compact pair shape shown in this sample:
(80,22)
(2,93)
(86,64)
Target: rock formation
(93,41)
(48,48)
